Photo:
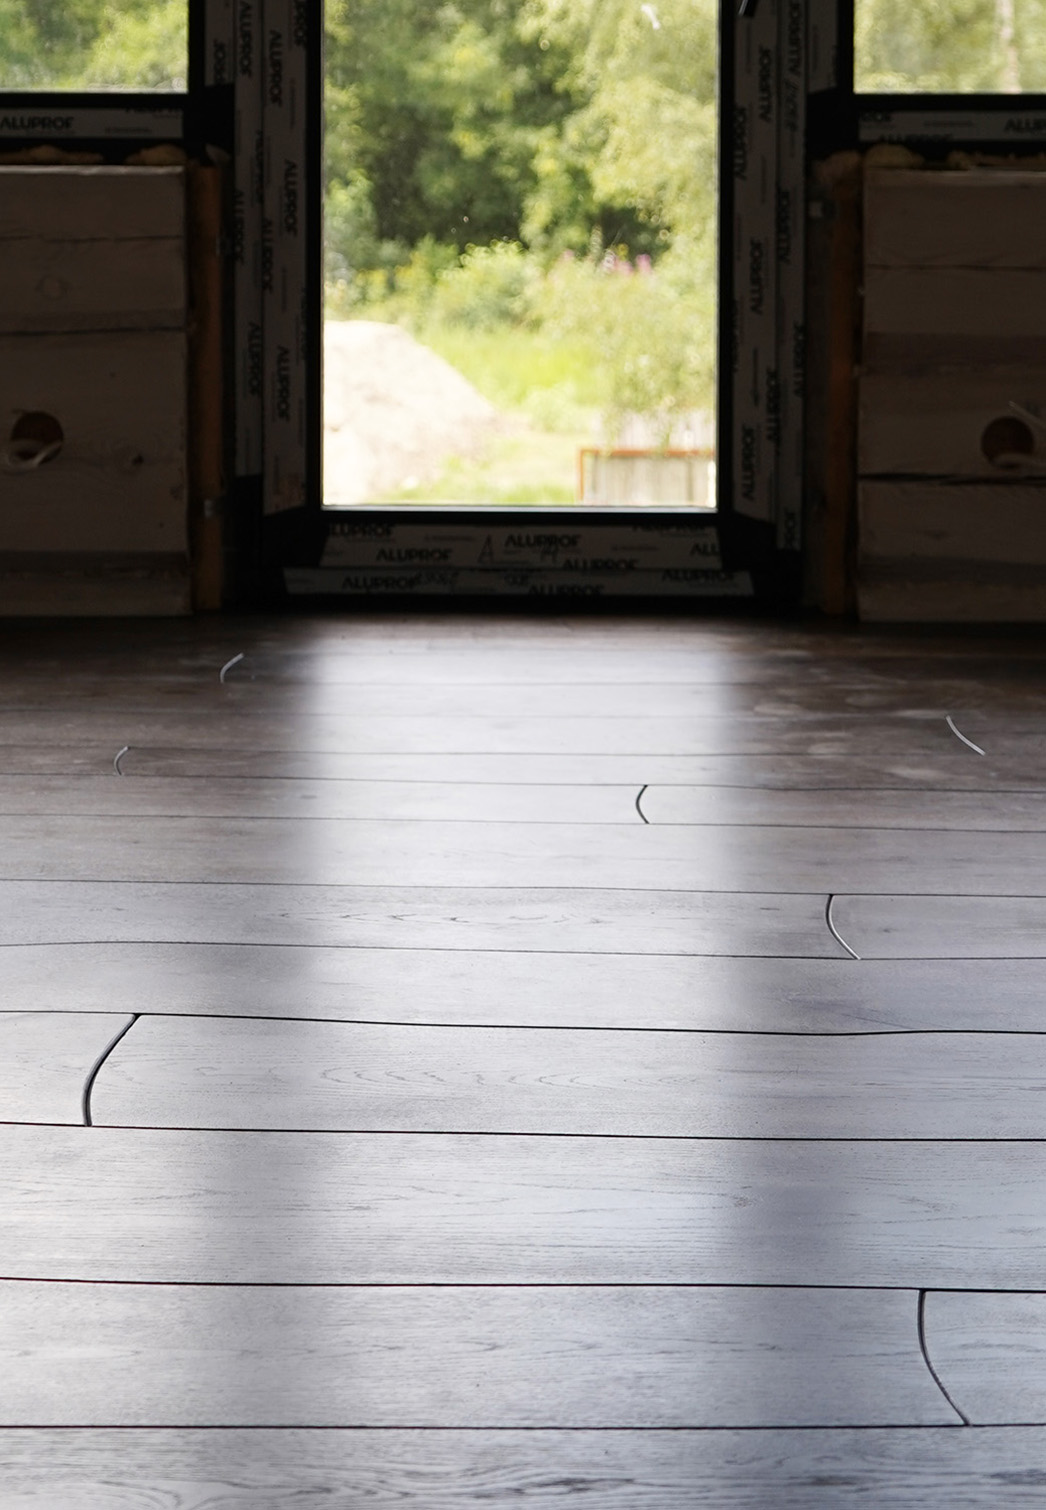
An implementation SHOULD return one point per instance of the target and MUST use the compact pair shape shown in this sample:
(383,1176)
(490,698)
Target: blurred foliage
(94,44)
(538,168)
(950,46)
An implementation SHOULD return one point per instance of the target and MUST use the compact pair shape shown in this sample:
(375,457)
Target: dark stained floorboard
(933,1468)
(261,1207)
(945,927)
(45,1059)
(423,831)
(553,919)
(388,1356)
(502,988)
(628,856)
(229,1073)
(321,801)
(989,1351)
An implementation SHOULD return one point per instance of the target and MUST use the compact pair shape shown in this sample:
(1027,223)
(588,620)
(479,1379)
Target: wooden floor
(461,1062)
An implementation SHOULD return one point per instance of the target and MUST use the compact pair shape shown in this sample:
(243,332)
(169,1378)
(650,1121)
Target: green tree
(950,46)
(93,44)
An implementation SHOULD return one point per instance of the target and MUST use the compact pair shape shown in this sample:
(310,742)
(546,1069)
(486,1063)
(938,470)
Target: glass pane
(520,255)
(950,46)
(94,44)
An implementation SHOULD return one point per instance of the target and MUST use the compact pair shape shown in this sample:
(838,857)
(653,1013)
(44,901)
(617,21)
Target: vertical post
(219,43)
(285,318)
(754,273)
(247,236)
(206,386)
(791,280)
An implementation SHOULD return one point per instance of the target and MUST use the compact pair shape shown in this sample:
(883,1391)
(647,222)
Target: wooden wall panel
(119,483)
(64,285)
(931,421)
(93,316)
(933,301)
(91,203)
(987,218)
(935,521)
(954,319)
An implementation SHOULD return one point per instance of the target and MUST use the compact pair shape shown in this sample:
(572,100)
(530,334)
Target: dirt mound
(394,412)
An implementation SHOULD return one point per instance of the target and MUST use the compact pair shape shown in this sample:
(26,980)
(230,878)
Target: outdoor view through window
(94,44)
(520,252)
(950,47)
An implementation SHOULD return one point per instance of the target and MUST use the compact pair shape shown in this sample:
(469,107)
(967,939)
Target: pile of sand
(394,412)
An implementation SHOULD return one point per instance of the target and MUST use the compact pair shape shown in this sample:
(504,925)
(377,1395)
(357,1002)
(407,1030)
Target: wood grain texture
(382,644)
(864,698)
(948,767)
(62,285)
(207,407)
(837,766)
(459,987)
(450,1357)
(984,810)
(930,422)
(91,203)
(49,584)
(202,1073)
(943,927)
(1006,593)
(952,522)
(302,1208)
(936,1468)
(990,1354)
(546,920)
(987,217)
(949,301)
(316,801)
(620,857)
(697,1268)
(206,725)
(119,483)
(45,1058)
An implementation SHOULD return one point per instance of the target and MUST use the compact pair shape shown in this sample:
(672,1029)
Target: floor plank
(441,687)
(430,822)
(934,1468)
(970,811)
(221,724)
(180,1207)
(437,917)
(200,1073)
(449,1357)
(490,989)
(990,1354)
(944,927)
(45,1058)
(629,856)
(949,769)
(306,801)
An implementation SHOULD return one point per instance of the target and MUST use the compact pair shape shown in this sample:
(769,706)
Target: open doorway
(520,254)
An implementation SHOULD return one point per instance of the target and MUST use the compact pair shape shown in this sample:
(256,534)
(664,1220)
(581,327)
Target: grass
(530,467)
(549,394)
(514,366)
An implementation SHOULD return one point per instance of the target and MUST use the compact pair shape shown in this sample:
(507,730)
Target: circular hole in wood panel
(1006,436)
(36,437)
